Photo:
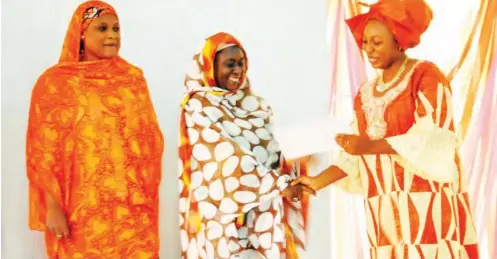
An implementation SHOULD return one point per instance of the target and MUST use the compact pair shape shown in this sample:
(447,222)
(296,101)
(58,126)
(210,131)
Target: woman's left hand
(353,144)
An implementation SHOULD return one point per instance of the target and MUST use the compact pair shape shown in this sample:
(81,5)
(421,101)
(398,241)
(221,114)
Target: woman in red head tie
(94,148)
(403,155)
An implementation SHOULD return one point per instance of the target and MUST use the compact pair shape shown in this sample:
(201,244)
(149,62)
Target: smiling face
(380,45)
(230,68)
(102,38)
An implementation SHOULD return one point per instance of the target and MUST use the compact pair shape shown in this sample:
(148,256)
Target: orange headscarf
(81,19)
(205,59)
(115,95)
(201,77)
(407,19)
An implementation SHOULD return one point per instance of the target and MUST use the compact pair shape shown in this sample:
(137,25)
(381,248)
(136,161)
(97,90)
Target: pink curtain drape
(479,155)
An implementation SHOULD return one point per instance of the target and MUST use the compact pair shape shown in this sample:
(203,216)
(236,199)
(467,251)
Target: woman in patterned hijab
(94,148)
(235,197)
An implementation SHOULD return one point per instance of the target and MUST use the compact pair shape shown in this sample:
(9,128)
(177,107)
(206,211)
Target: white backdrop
(286,45)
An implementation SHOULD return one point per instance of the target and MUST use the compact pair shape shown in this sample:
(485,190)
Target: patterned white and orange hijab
(238,115)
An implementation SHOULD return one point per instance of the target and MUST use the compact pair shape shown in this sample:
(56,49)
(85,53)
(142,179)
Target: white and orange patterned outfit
(232,172)
(416,201)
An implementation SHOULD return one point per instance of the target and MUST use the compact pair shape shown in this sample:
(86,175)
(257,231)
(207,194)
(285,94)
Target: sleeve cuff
(428,151)
(350,165)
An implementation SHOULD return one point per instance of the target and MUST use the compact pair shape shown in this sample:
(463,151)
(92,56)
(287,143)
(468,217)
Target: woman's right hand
(320,181)
(56,220)
(295,193)
(308,181)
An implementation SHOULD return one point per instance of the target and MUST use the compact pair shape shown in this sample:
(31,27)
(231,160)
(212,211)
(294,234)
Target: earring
(82,37)
(400,49)
(81,47)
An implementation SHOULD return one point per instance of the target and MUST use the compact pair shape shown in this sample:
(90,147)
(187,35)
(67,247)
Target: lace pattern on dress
(374,107)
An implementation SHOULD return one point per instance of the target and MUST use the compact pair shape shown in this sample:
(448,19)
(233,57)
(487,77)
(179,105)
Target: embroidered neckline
(374,106)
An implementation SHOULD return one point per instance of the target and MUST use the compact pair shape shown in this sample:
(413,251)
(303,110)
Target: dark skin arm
(352,144)
(293,192)
(359,145)
(322,180)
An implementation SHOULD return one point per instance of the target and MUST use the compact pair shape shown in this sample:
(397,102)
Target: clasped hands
(304,185)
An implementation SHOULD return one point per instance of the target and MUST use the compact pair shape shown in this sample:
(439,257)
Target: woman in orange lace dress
(403,155)
(94,148)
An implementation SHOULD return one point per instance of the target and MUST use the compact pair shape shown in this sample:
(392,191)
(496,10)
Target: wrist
(53,206)
(372,146)
(328,176)
(321,180)
(50,202)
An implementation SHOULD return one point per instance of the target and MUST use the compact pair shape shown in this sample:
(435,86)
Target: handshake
(300,187)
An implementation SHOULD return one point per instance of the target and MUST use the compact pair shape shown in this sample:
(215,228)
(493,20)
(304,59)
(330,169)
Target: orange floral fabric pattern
(94,144)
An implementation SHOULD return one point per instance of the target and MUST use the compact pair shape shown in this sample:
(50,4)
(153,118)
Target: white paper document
(310,137)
